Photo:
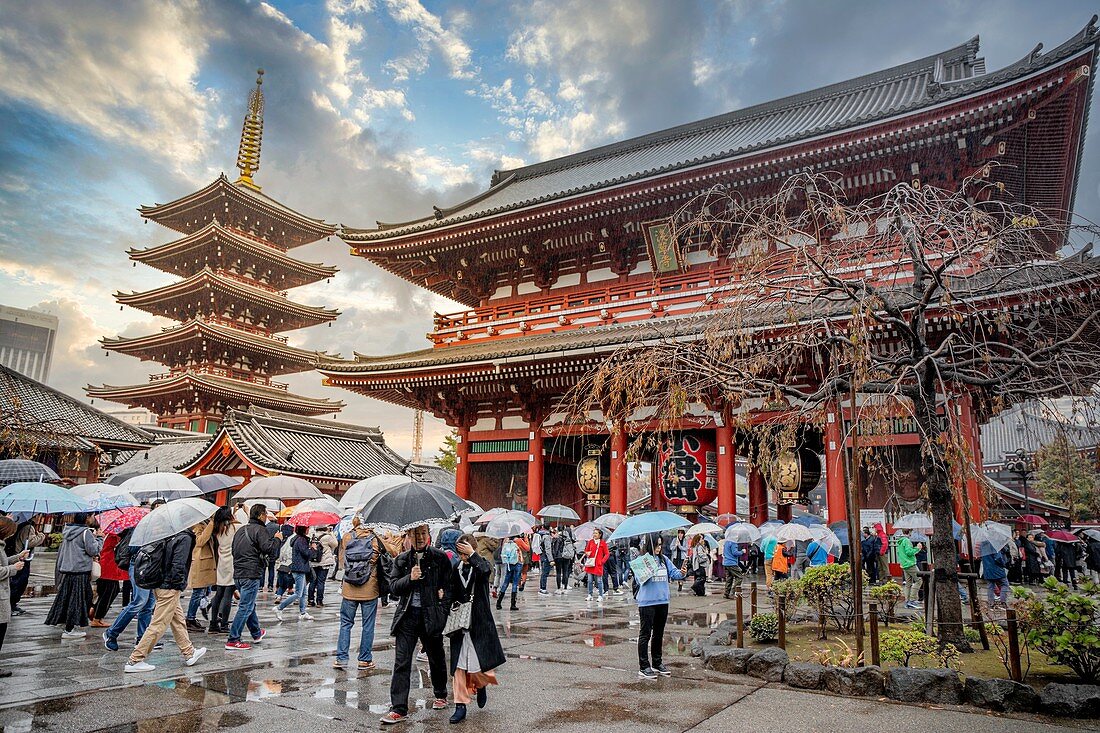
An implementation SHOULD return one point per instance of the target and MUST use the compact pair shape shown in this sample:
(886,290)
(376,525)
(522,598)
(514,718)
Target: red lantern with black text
(689,470)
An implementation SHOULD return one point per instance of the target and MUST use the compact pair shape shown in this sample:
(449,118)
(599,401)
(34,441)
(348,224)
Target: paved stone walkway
(571,667)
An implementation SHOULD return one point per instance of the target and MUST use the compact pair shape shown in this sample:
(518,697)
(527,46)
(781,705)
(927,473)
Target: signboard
(664,253)
(868,517)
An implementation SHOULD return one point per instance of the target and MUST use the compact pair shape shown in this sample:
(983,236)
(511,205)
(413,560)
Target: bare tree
(896,304)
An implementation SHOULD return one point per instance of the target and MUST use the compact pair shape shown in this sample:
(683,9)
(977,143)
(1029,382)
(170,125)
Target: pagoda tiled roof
(285,443)
(169,257)
(154,301)
(64,418)
(296,359)
(925,83)
(224,388)
(194,211)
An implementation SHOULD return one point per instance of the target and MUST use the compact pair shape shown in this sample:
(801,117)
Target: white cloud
(431,171)
(431,34)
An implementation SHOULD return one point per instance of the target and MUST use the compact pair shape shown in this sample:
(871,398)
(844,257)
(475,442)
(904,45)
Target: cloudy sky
(378,109)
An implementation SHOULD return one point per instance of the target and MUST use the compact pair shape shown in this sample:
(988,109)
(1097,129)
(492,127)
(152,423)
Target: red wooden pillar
(758,497)
(656,494)
(462,463)
(618,470)
(727,481)
(535,460)
(836,496)
(784,512)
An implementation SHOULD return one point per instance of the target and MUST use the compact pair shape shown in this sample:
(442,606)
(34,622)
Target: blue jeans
(140,607)
(545,568)
(197,594)
(299,593)
(271,575)
(511,575)
(246,609)
(597,581)
(347,620)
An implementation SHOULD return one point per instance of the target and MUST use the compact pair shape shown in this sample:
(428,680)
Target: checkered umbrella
(20,469)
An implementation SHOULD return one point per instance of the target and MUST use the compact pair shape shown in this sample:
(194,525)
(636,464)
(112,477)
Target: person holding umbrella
(907,559)
(995,572)
(653,594)
(302,554)
(81,543)
(511,560)
(8,568)
(27,537)
(225,527)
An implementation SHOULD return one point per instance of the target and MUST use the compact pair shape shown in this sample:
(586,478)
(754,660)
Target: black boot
(482,697)
(514,607)
(500,601)
(459,714)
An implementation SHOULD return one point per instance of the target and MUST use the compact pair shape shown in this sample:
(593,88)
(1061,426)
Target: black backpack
(123,552)
(358,556)
(149,564)
(557,545)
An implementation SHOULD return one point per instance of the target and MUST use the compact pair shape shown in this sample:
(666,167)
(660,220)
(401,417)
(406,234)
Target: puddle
(39,591)
(701,619)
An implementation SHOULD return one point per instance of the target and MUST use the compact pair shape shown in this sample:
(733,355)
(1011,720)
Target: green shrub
(1064,625)
(764,627)
(829,587)
(903,645)
(887,596)
(790,592)
(53,540)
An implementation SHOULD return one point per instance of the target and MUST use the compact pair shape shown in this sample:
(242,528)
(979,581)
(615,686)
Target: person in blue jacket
(652,597)
(731,561)
(995,572)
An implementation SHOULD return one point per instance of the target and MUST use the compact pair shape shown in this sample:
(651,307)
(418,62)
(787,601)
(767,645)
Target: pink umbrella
(1060,535)
(116,521)
(314,519)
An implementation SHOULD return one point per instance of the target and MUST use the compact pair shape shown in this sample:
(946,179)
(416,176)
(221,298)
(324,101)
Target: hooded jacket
(79,547)
(178,558)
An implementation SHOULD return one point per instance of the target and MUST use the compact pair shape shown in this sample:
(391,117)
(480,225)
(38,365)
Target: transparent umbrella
(704,528)
(996,534)
(361,492)
(160,485)
(584,531)
(610,521)
(827,539)
(509,524)
(324,504)
(742,532)
(770,528)
(795,532)
(279,487)
(170,519)
(104,496)
(559,513)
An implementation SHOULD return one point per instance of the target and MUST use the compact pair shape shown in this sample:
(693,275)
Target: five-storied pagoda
(231,302)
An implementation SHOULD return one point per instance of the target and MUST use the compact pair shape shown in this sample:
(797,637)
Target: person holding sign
(652,572)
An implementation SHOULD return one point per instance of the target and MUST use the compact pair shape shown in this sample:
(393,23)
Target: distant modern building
(26,341)
(136,416)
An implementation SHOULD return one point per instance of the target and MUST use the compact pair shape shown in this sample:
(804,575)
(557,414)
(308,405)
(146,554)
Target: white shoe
(618,592)
(278,614)
(195,656)
(544,593)
(73,634)
(139,667)
(599,600)
(588,599)
(304,617)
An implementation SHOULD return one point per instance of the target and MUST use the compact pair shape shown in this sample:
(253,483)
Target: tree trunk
(941,504)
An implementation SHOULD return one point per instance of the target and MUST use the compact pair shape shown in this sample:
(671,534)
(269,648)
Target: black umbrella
(411,505)
(14,470)
(211,482)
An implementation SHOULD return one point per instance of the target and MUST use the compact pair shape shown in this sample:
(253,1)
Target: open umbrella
(742,532)
(160,485)
(1093,533)
(609,521)
(808,520)
(771,528)
(13,470)
(703,528)
(827,539)
(914,536)
(923,522)
(840,529)
(104,496)
(584,531)
(171,519)
(324,504)
(116,521)
(1061,535)
(363,491)
(1032,519)
(272,505)
(994,533)
(279,487)
(648,523)
(509,524)
(725,520)
(35,497)
(285,513)
(488,516)
(794,532)
(411,505)
(559,513)
(210,482)
(314,518)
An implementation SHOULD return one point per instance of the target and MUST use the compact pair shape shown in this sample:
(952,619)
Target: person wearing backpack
(141,599)
(325,542)
(253,547)
(359,556)
(81,544)
(284,580)
(511,560)
(563,549)
(175,558)
(302,554)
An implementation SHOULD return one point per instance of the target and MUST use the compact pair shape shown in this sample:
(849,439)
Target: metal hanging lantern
(796,474)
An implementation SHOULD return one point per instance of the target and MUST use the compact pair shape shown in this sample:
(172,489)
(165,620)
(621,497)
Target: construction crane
(418,437)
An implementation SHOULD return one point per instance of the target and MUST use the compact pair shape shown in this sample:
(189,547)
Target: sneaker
(647,674)
(73,634)
(544,593)
(260,638)
(588,599)
(391,717)
(618,592)
(339,664)
(139,667)
(304,617)
(662,670)
(599,600)
(278,614)
(110,643)
(422,657)
(156,647)
(439,704)
(17,611)
(237,646)
(195,656)
(364,666)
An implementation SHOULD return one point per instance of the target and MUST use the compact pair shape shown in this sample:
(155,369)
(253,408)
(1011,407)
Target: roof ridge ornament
(248,155)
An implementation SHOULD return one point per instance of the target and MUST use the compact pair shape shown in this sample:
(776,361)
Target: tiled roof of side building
(57,413)
(932,80)
(167,454)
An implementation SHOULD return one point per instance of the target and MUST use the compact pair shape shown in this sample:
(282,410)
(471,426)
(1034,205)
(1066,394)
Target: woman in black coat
(477,651)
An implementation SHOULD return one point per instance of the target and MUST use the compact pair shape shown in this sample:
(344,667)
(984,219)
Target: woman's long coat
(483,628)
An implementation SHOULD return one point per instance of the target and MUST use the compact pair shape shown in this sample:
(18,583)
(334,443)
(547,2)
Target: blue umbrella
(808,520)
(648,523)
(840,529)
(36,497)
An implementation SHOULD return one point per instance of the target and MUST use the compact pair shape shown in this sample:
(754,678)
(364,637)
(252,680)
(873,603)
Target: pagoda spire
(248,156)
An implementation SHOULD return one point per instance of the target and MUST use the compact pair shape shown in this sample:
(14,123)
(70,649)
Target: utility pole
(418,437)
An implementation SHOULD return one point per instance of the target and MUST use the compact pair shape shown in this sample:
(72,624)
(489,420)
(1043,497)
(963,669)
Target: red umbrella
(314,519)
(1032,519)
(1061,535)
(116,521)
(725,520)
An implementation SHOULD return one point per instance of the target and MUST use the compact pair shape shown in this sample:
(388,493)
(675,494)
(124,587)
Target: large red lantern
(689,470)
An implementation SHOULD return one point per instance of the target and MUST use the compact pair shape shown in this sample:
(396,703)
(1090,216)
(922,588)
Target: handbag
(459,618)
(590,562)
(97,571)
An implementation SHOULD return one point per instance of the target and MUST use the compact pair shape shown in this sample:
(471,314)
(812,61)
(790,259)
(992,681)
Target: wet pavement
(571,666)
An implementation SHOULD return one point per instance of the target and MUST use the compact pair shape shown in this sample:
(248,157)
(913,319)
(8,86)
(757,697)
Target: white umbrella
(272,505)
(363,491)
(104,496)
(827,539)
(171,519)
(490,515)
(559,512)
(160,485)
(742,532)
(584,531)
(610,521)
(921,522)
(279,487)
(1093,533)
(510,524)
(795,532)
(324,504)
(770,528)
(703,528)
(997,535)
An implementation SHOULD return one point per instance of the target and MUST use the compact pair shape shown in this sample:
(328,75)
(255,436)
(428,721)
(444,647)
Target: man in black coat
(253,548)
(168,611)
(421,579)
